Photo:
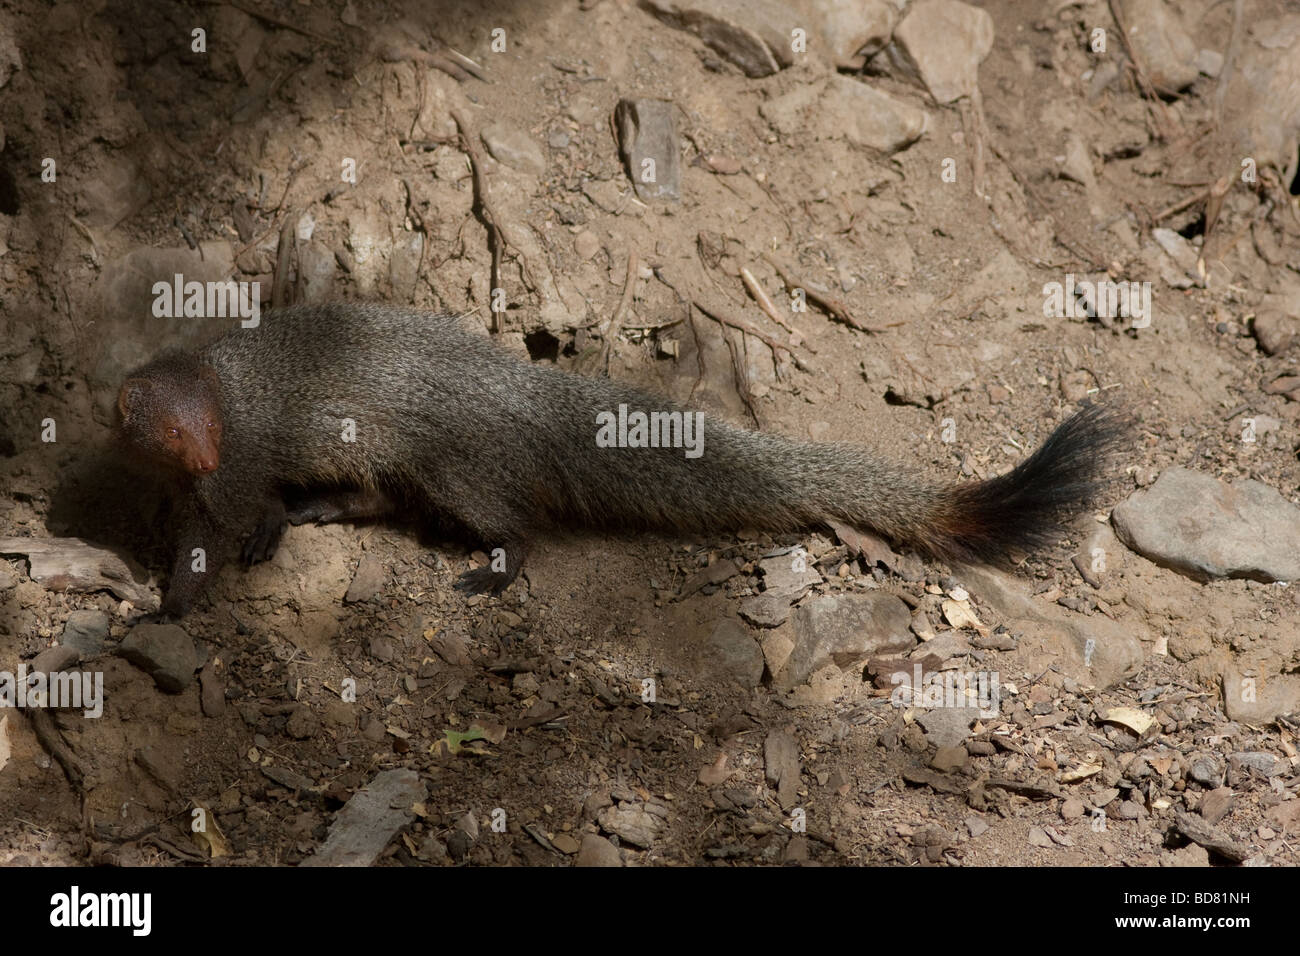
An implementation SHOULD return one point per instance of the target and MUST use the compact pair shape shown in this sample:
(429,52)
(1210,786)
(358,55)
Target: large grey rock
(942,43)
(1205,528)
(647,134)
(845,630)
(1162,43)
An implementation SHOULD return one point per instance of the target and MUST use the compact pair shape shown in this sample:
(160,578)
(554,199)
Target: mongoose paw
(316,510)
(262,544)
(484,581)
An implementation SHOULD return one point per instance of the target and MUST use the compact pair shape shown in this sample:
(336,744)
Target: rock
(1202,527)
(941,43)
(1202,832)
(54,660)
(717,572)
(164,652)
(632,823)
(848,109)
(854,30)
(368,582)
(846,630)
(1244,764)
(514,147)
(1208,62)
(947,759)
(370,818)
(755,35)
(647,135)
(1095,651)
(1207,770)
(597,851)
(730,653)
(1275,331)
(1215,805)
(1261,115)
(212,692)
(867,117)
(1162,44)
(586,245)
(765,610)
(1072,809)
(789,576)
(85,632)
(976,826)
(1256,700)
(947,726)
(777,647)
(781,764)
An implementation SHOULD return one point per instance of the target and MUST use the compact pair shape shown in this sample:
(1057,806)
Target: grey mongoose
(446,422)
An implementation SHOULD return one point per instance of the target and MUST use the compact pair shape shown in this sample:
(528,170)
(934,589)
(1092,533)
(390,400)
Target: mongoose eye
(173,433)
(212,426)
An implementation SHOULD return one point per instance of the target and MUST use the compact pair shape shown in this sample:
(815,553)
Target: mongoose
(449,423)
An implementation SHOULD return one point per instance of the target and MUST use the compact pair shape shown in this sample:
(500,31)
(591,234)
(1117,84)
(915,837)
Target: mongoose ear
(133,391)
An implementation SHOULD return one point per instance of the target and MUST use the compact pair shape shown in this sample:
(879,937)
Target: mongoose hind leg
(332,506)
(505,558)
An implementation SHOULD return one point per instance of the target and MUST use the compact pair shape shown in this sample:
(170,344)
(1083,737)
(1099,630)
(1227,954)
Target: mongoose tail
(759,480)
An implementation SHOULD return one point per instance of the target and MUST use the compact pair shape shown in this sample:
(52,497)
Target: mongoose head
(171,414)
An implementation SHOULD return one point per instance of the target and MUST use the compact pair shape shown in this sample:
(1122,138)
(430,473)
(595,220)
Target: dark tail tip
(1024,509)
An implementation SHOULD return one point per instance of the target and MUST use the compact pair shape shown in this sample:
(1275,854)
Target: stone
(942,43)
(1202,527)
(765,610)
(1162,43)
(1275,331)
(845,630)
(85,632)
(370,819)
(597,851)
(854,30)
(647,134)
(514,147)
(164,652)
(368,582)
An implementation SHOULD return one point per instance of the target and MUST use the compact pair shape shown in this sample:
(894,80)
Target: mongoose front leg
(264,541)
(200,551)
(504,561)
(331,506)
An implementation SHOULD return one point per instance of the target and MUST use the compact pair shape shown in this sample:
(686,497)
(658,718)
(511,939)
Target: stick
(616,323)
(831,306)
(764,302)
(488,216)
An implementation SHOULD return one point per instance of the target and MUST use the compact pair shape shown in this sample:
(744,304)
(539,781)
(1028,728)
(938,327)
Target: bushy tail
(1023,509)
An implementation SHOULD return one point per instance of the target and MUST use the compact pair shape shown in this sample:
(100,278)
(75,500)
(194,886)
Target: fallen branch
(616,323)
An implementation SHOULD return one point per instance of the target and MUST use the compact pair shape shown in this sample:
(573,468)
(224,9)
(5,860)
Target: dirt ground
(1060,164)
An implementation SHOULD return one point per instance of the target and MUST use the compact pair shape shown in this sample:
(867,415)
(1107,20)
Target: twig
(616,323)
(486,211)
(1158,110)
(1182,204)
(832,306)
(280,287)
(764,301)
